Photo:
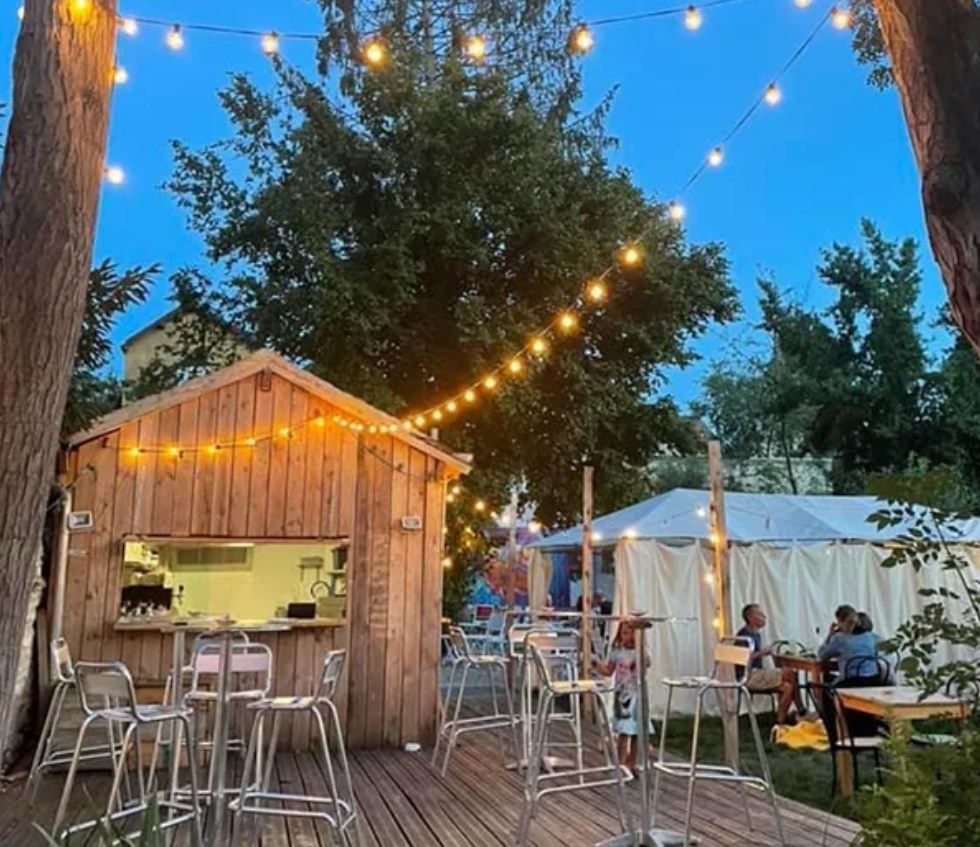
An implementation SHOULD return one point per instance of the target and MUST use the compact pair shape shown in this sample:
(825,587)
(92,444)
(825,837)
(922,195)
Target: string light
(475,47)
(630,256)
(134,451)
(534,527)
(490,383)
(81,9)
(420,421)
(693,18)
(803,4)
(716,157)
(581,40)
(629,534)
(20,13)
(270,43)
(447,562)
(120,75)
(212,449)
(676,211)
(375,52)
(174,38)
(250,442)
(773,94)
(598,291)
(285,432)
(567,321)
(320,421)
(841,18)
(596,535)
(129,26)
(174,452)
(114,174)
(470,396)
(457,490)
(479,506)
(709,579)
(539,346)
(437,415)
(515,366)
(451,406)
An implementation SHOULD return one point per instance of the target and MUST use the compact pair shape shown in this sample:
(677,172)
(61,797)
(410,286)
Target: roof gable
(254,363)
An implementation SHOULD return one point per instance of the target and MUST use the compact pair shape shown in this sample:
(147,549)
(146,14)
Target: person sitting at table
(854,640)
(842,614)
(761,678)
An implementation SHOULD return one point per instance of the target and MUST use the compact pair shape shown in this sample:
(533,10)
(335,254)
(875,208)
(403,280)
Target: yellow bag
(806,735)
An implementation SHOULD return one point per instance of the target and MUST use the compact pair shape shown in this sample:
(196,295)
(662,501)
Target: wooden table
(895,703)
(813,667)
(902,702)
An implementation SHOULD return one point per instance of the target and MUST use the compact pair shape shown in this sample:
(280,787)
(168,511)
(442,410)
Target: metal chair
(732,656)
(46,756)
(107,694)
(541,646)
(200,640)
(451,728)
(339,809)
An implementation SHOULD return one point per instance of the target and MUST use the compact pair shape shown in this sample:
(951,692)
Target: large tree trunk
(934,47)
(49,191)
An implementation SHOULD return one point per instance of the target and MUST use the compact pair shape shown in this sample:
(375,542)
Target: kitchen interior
(295,580)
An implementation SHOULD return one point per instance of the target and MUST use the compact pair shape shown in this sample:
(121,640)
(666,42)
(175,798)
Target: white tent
(799,557)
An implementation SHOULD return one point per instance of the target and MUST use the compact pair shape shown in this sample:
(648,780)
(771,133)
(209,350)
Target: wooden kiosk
(264,493)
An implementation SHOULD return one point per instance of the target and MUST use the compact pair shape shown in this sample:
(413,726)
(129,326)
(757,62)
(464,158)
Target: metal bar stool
(539,645)
(560,648)
(733,656)
(111,684)
(451,728)
(46,755)
(339,809)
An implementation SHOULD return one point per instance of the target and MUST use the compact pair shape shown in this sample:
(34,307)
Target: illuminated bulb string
(628,256)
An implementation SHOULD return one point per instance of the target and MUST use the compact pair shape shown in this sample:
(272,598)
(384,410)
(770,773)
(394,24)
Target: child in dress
(623,665)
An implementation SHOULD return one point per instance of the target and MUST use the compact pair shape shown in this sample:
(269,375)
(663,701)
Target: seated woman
(855,646)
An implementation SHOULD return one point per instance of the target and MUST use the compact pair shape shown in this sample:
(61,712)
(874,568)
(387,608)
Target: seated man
(765,679)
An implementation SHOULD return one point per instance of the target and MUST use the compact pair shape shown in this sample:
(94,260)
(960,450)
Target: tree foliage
(404,236)
(854,382)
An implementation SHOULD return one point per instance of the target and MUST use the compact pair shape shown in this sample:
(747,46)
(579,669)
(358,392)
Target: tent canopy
(778,519)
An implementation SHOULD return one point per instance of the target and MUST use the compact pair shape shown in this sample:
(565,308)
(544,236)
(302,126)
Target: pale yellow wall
(274,579)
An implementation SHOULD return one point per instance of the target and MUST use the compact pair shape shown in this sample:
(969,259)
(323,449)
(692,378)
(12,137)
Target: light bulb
(715,538)
(447,562)
(470,396)
(114,175)
(20,13)
(212,449)
(420,421)
(250,442)
(375,53)
(134,452)
(716,157)
(437,415)
(174,452)
(567,321)
(630,256)
(285,432)
(475,47)
(693,18)
(129,26)
(451,406)
(81,9)
(539,346)
(320,421)
(581,40)
(597,291)
(701,512)
(479,506)
(629,534)
(534,527)
(174,38)
(773,95)
(120,75)
(803,4)
(676,211)
(450,498)
(490,383)
(457,490)
(270,43)
(596,535)
(840,18)
(709,579)
(515,366)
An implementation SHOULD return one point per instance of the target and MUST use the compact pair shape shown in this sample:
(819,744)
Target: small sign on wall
(412,523)
(80,521)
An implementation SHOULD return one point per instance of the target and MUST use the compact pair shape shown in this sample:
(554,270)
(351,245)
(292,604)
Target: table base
(653,838)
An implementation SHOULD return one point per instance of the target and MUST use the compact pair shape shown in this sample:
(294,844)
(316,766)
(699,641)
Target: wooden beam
(512,553)
(587,476)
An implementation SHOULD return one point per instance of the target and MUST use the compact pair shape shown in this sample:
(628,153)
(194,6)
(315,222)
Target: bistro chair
(200,640)
(107,695)
(47,756)
(730,658)
(846,731)
(453,727)
(541,649)
(338,809)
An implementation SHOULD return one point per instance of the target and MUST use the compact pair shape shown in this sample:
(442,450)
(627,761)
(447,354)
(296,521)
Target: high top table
(647,835)
(223,629)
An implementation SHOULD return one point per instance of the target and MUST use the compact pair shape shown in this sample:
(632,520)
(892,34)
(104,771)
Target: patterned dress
(626,702)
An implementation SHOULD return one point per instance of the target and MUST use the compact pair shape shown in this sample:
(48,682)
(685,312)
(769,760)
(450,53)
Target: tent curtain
(538,578)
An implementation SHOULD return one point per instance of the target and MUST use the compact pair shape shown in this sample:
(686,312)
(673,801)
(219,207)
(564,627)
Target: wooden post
(587,473)
(512,553)
(722,616)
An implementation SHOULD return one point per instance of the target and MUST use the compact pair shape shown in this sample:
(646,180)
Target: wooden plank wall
(320,482)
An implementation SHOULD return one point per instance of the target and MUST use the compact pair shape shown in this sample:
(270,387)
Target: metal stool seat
(540,646)
(452,728)
(47,756)
(338,809)
(728,653)
(111,684)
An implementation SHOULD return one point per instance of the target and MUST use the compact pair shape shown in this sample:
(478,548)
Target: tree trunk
(49,191)
(934,46)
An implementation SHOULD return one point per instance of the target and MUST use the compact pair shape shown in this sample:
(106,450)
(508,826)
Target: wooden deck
(406,804)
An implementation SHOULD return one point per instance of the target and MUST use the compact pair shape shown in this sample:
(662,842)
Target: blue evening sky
(798,177)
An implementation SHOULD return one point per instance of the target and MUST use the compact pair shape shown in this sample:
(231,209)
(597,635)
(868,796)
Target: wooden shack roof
(255,363)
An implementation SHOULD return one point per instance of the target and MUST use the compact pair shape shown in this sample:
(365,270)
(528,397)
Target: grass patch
(802,775)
